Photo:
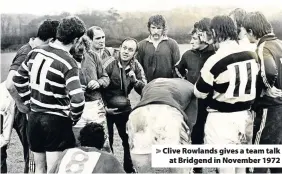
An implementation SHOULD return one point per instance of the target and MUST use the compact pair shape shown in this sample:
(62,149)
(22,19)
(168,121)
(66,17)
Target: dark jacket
(120,83)
(193,61)
(270,53)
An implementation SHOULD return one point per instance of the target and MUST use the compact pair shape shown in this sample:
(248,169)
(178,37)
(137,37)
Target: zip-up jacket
(120,83)
(92,69)
(270,58)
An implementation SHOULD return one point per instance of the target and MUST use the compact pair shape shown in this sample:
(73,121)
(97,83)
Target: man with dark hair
(189,68)
(228,83)
(238,16)
(98,38)
(158,53)
(91,158)
(125,73)
(46,32)
(48,83)
(268,105)
(193,60)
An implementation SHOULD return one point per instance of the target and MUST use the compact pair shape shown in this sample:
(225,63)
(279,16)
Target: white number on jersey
(38,73)
(78,161)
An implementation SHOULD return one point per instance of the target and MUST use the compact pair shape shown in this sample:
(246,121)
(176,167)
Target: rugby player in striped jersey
(48,83)
(229,76)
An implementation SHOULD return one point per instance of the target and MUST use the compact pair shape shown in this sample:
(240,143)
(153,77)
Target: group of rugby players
(69,91)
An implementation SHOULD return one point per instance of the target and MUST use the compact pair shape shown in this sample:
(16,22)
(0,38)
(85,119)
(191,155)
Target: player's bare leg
(52,157)
(40,161)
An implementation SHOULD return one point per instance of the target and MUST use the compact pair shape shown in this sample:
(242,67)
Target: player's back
(172,91)
(50,71)
(230,76)
(86,160)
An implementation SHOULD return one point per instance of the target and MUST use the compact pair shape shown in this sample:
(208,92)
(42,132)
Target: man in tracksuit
(125,73)
(268,104)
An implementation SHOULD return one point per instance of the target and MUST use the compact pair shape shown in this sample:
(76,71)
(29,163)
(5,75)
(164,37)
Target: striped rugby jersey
(228,78)
(48,82)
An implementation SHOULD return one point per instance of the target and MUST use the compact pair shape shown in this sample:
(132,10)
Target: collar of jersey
(164,37)
(54,45)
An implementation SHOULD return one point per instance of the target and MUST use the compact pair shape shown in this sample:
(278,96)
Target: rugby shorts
(47,132)
(229,128)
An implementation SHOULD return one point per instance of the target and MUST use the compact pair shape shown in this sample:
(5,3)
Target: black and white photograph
(90,86)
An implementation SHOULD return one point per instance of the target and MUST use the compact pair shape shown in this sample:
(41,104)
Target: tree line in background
(16,29)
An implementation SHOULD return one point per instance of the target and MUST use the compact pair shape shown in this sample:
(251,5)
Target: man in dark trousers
(125,73)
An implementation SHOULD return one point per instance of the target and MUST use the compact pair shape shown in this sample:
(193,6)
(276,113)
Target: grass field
(15,156)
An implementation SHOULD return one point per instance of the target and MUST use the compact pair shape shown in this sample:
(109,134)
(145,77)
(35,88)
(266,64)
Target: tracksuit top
(270,58)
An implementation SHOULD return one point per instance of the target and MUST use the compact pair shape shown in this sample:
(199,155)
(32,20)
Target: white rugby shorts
(229,128)
(94,111)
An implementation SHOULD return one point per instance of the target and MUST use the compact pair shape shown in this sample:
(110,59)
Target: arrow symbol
(158,150)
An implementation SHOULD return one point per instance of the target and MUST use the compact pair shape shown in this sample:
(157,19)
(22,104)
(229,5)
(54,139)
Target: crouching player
(165,115)
(88,158)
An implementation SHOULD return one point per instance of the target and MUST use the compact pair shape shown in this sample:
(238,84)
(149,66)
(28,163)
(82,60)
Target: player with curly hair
(50,87)
(228,84)
(158,53)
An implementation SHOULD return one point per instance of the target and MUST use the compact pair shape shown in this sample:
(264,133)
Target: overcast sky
(40,7)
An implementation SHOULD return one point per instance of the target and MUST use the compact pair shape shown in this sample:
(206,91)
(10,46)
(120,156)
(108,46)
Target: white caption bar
(217,156)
